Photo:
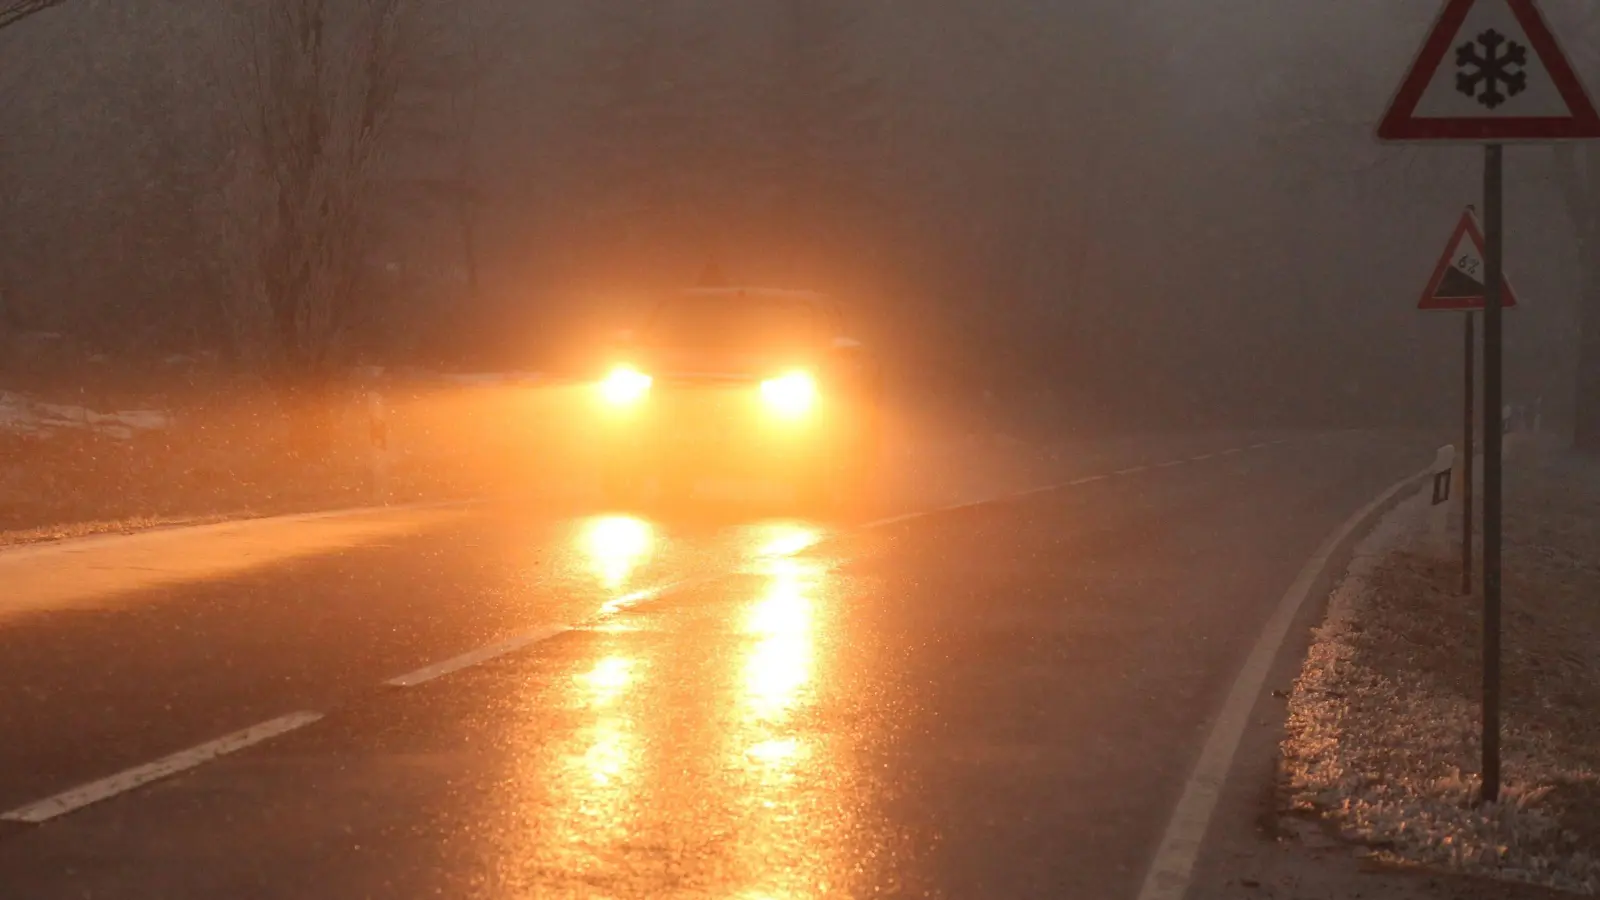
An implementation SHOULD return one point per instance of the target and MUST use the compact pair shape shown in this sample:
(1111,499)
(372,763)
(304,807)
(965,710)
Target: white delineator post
(1440,540)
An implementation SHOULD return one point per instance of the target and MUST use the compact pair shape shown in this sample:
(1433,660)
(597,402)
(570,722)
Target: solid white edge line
(1133,471)
(1174,463)
(1203,457)
(122,782)
(1090,480)
(482,654)
(1172,867)
(1233,451)
(82,542)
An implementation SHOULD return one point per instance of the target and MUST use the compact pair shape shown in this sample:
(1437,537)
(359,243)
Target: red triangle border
(1401,124)
(1467,227)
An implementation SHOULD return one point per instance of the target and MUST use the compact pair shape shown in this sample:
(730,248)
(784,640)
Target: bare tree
(324,75)
(445,106)
(826,125)
(1578,173)
(14,11)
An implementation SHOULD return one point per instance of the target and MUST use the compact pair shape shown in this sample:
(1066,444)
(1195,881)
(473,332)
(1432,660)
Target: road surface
(999,700)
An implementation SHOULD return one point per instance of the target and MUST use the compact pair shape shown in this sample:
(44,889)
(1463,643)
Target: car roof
(752,291)
(826,303)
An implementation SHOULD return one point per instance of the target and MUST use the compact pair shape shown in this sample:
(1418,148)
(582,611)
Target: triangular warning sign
(1490,71)
(1458,281)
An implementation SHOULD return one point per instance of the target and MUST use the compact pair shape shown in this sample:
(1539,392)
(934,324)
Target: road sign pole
(1468,441)
(1494,234)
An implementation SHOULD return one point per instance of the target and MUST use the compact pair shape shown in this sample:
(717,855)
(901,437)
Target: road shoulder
(1260,844)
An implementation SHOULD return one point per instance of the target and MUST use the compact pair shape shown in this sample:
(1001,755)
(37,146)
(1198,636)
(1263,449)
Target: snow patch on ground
(1383,731)
(21,414)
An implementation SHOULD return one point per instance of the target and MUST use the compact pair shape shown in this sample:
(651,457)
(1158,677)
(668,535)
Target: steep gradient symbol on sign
(1458,280)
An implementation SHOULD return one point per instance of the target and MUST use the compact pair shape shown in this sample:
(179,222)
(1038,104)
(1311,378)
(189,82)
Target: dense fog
(1103,210)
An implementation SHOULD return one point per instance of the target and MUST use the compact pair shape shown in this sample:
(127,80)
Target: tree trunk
(1578,173)
(1586,405)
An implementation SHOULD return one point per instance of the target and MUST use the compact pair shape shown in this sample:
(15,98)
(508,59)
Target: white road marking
(1133,471)
(1173,865)
(613,607)
(537,636)
(1015,495)
(122,782)
(1173,463)
(1260,446)
(893,520)
(1233,451)
(1203,457)
(482,654)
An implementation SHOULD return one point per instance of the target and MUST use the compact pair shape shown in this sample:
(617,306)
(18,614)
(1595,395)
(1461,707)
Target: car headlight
(625,386)
(791,395)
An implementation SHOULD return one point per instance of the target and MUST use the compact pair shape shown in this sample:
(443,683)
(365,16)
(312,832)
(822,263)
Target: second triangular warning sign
(1458,281)
(1490,71)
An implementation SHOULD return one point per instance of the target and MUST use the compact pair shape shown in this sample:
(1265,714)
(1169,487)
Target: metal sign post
(1490,71)
(1493,232)
(1469,389)
(1459,284)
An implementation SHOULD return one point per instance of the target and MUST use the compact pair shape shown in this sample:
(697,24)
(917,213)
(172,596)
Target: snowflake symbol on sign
(1492,69)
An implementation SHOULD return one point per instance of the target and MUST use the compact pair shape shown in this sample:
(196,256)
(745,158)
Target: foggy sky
(1158,205)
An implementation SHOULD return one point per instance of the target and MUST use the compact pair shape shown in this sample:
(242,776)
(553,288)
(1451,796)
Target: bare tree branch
(322,85)
(14,11)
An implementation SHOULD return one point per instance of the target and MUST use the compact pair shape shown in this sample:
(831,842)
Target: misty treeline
(1154,210)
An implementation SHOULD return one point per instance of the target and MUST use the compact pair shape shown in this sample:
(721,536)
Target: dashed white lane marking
(536,636)
(1172,464)
(93,792)
(1260,446)
(122,782)
(1170,872)
(482,654)
(892,520)
(1235,450)
(1203,457)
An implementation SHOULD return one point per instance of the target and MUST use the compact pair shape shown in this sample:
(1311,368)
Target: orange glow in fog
(792,395)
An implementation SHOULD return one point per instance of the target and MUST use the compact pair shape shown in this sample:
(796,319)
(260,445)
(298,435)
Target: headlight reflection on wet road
(615,547)
(794,818)
(597,794)
(626,788)
(778,669)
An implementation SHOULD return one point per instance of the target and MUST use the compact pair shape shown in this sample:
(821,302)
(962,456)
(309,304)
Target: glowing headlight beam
(625,385)
(791,395)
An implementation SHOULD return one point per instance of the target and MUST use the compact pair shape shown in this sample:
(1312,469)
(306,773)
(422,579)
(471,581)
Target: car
(740,381)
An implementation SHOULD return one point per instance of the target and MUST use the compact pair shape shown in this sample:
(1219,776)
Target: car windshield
(734,319)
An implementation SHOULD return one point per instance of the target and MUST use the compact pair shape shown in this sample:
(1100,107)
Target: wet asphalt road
(997,701)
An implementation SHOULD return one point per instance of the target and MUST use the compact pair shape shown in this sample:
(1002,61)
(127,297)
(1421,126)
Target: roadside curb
(1231,745)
